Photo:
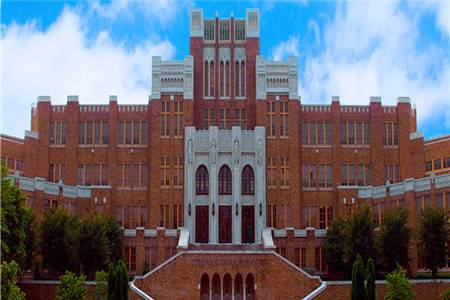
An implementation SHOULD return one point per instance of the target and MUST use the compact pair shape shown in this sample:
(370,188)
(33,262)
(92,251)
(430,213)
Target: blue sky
(352,49)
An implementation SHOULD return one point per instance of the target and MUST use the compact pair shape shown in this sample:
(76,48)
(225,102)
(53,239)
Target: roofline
(442,138)
(12,138)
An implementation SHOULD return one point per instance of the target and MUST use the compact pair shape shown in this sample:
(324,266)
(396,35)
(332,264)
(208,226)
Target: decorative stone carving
(236,152)
(213,152)
(190,152)
(259,153)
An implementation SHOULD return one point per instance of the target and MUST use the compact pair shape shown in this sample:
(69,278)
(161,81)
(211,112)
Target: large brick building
(225,183)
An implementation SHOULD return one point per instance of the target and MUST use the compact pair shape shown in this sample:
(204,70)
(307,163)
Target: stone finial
(404,100)
(252,23)
(334,98)
(113,98)
(44,99)
(375,99)
(72,98)
(196,23)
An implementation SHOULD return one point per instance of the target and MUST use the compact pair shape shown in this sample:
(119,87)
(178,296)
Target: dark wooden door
(224,224)
(201,224)
(248,224)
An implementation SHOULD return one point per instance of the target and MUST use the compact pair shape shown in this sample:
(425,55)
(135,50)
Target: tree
(114,236)
(93,244)
(117,281)
(59,241)
(433,236)
(15,217)
(9,288)
(358,290)
(72,287)
(359,236)
(370,280)
(394,237)
(335,244)
(398,286)
(101,285)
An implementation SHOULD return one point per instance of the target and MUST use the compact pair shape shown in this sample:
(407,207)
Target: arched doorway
(216,295)
(227,287)
(202,211)
(204,287)
(238,294)
(249,287)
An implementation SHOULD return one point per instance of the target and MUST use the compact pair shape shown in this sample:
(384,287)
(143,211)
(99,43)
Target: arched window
(249,287)
(211,79)
(227,290)
(242,77)
(206,77)
(204,287)
(216,293)
(248,181)
(227,80)
(238,294)
(221,79)
(236,80)
(202,181)
(225,181)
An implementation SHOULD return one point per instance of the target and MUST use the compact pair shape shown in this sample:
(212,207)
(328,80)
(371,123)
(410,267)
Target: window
(55,172)
(164,172)
(283,213)
(390,136)
(325,176)
(202,181)
(177,216)
(123,176)
(437,164)
(178,119)
(225,181)
(164,214)
(209,118)
(284,175)
(309,176)
(239,71)
(165,118)
(130,258)
(248,181)
(446,162)
(391,173)
(57,133)
(352,174)
(86,174)
(227,79)
(224,119)
(325,216)
(319,260)
(270,119)
(284,119)
(309,216)
(271,172)
(303,257)
(132,133)
(240,118)
(272,215)
(100,174)
(355,133)
(429,166)
(140,175)
(242,76)
(208,78)
(178,172)
(316,133)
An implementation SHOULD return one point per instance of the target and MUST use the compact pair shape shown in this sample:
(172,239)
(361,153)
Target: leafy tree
(359,236)
(446,294)
(370,280)
(117,281)
(101,286)
(335,244)
(58,243)
(93,244)
(398,286)
(358,290)
(394,237)
(114,236)
(9,288)
(15,218)
(72,287)
(433,236)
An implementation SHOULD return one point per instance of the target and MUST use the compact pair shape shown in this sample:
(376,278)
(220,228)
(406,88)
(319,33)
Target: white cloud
(59,62)
(372,49)
(285,49)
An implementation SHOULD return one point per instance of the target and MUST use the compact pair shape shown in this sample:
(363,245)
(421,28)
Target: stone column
(189,185)
(260,182)
(236,199)
(213,174)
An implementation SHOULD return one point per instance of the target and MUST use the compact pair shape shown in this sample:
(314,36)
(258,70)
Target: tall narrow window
(270,119)
(271,172)
(227,79)
(240,118)
(225,181)
(284,119)
(57,133)
(237,91)
(178,119)
(165,118)
(242,77)
(390,134)
(211,79)
(248,181)
(164,172)
(202,181)
(178,172)
(209,118)
(284,175)
(206,78)
(224,119)
(221,79)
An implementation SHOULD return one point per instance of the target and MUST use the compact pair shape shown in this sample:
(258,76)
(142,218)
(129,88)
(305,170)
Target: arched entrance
(204,287)
(216,287)
(238,294)
(249,287)
(227,287)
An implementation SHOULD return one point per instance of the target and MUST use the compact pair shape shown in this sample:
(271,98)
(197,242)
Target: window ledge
(93,145)
(355,146)
(317,146)
(132,145)
(57,145)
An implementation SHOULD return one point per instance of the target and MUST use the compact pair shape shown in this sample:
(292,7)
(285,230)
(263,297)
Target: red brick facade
(132,159)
